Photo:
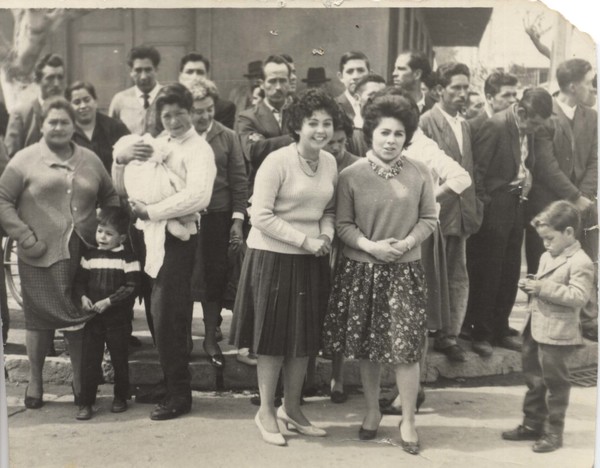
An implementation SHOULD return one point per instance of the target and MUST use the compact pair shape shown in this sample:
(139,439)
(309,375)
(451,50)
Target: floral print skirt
(377,312)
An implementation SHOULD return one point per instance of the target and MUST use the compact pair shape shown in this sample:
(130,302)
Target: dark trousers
(114,331)
(172,310)
(547,378)
(494,265)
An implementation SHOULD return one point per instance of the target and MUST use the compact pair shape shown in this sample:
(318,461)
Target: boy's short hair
(559,215)
(115,216)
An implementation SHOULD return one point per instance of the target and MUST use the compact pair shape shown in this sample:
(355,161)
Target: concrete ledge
(144,368)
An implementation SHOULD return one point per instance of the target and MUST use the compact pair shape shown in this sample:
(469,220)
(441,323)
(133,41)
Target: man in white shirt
(134,106)
(353,66)
(460,215)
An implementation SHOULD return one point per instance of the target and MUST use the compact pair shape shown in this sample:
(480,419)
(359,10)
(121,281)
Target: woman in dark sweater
(385,209)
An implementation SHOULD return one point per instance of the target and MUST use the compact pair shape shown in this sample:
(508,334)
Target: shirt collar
(151,95)
(353,101)
(183,138)
(205,133)
(49,158)
(570,250)
(421,103)
(454,120)
(488,109)
(375,160)
(568,110)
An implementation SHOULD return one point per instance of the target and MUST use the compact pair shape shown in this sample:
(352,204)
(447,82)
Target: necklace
(308,167)
(393,171)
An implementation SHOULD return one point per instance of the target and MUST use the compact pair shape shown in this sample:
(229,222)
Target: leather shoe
(33,402)
(522,433)
(547,443)
(154,394)
(118,406)
(409,447)
(84,413)
(217,360)
(338,397)
(483,348)
(368,434)
(169,410)
(453,352)
(510,342)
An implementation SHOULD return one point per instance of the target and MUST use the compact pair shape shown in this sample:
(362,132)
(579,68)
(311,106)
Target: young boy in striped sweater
(107,283)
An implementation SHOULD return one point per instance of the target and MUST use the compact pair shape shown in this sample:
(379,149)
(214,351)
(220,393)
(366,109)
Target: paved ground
(458,427)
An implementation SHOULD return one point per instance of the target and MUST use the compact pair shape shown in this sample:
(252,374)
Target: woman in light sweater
(385,210)
(284,285)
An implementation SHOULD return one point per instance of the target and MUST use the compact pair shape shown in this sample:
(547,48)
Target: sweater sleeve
(327,222)
(347,228)
(236,173)
(201,171)
(12,184)
(133,279)
(269,178)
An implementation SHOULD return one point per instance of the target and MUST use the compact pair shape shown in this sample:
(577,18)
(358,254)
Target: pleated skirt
(280,303)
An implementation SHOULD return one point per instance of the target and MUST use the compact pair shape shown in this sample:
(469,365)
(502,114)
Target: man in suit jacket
(24,123)
(353,66)
(500,91)
(574,135)
(504,154)
(193,66)
(411,70)
(460,215)
(135,106)
(262,129)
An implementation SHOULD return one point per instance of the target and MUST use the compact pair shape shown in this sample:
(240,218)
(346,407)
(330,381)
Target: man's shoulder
(26,107)
(124,94)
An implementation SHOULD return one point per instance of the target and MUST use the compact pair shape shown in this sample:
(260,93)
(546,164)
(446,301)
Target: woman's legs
(397,403)
(337,373)
(294,370)
(407,380)
(74,341)
(212,314)
(370,376)
(268,369)
(37,342)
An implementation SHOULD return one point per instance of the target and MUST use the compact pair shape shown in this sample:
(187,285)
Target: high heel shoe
(368,434)
(309,430)
(33,402)
(409,447)
(217,360)
(273,438)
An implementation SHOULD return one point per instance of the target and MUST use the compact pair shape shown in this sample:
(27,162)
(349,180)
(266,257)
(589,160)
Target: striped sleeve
(128,291)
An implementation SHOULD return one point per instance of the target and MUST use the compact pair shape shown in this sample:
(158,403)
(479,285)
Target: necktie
(146,101)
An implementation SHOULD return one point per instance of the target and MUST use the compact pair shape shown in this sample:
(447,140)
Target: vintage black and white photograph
(289,233)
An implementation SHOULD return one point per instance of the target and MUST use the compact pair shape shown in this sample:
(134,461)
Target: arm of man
(485,145)
(15,133)
(256,146)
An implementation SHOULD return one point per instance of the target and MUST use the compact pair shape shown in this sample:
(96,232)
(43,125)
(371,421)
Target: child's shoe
(547,443)
(84,413)
(118,406)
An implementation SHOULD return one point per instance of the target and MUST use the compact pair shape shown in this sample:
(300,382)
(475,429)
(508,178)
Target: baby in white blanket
(150,182)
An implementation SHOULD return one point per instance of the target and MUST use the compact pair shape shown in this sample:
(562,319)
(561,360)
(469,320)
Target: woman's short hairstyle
(89,87)
(57,102)
(390,102)
(204,88)
(559,215)
(174,93)
(306,104)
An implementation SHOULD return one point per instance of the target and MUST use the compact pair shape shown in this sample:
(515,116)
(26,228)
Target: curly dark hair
(306,104)
(390,102)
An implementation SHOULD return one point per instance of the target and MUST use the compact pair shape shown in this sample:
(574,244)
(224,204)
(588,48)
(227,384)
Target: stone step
(145,369)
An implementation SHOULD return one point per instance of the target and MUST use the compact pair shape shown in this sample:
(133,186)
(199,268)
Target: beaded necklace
(308,167)
(390,173)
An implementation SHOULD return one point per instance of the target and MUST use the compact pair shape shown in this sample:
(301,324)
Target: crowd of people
(348,227)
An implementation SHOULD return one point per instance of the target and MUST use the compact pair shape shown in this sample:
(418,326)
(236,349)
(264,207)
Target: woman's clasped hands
(319,246)
(388,250)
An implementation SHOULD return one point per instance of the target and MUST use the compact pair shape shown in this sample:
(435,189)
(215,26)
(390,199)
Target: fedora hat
(315,76)
(255,69)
